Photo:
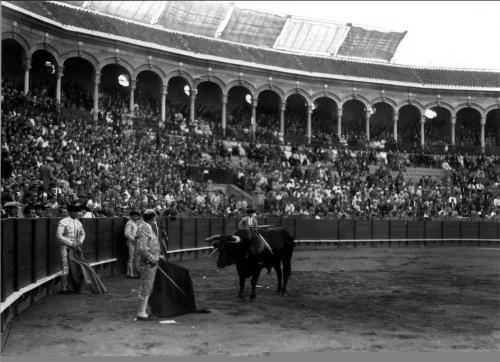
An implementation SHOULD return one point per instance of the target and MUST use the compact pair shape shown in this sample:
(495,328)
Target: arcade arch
(354,124)
(148,93)
(116,90)
(178,94)
(492,128)
(44,73)
(207,104)
(324,119)
(297,118)
(270,115)
(381,123)
(77,83)
(437,130)
(467,128)
(408,126)
(240,110)
(14,63)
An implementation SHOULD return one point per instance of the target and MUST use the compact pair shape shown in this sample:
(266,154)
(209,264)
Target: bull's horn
(236,239)
(211,238)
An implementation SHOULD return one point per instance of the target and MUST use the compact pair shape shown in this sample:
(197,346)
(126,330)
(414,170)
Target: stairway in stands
(416,173)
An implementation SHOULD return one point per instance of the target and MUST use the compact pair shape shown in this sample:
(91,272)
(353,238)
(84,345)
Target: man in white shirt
(70,235)
(496,201)
(131,228)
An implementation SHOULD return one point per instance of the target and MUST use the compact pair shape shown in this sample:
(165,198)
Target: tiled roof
(253,27)
(211,47)
(198,17)
(361,42)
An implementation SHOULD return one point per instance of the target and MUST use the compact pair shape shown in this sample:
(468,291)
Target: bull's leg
(242,287)
(279,274)
(255,279)
(287,270)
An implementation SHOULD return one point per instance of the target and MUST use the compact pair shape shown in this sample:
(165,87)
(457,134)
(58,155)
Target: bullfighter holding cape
(172,291)
(76,271)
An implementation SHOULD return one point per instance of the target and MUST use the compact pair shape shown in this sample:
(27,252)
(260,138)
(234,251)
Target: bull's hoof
(252,298)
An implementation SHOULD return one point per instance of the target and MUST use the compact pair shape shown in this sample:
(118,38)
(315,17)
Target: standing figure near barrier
(70,235)
(130,234)
(251,223)
(76,272)
(149,252)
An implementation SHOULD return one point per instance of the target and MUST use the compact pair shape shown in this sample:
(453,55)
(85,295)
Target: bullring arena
(387,177)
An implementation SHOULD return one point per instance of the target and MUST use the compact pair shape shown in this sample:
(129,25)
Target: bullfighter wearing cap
(131,228)
(70,235)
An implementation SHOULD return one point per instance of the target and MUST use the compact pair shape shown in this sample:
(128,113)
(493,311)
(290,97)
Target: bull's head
(227,245)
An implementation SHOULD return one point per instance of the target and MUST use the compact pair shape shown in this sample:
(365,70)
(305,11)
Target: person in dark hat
(63,211)
(46,173)
(149,253)
(249,220)
(70,235)
(12,209)
(76,271)
(30,212)
(131,228)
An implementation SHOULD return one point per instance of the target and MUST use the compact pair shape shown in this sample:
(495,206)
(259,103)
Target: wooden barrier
(346,229)
(30,254)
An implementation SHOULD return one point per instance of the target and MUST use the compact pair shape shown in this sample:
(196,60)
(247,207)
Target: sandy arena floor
(362,299)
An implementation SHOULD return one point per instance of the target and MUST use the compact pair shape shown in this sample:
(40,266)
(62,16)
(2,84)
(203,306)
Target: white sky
(460,34)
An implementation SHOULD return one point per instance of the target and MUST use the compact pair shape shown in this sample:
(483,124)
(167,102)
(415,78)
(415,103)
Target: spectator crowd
(120,163)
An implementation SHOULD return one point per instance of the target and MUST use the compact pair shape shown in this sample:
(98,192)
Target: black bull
(237,249)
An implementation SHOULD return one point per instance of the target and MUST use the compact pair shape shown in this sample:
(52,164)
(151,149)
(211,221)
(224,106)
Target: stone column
(133,83)
(97,80)
(27,67)
(483,142)
(395,118)
(254,116)
(282,119)
(422,131)
(224,115)
(309,133)
(453,123)
(192,104)
(339,123)
(163,100)
(367,120)
(60,74)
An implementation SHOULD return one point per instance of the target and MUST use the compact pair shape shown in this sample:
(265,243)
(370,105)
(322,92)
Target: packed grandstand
(369,140)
